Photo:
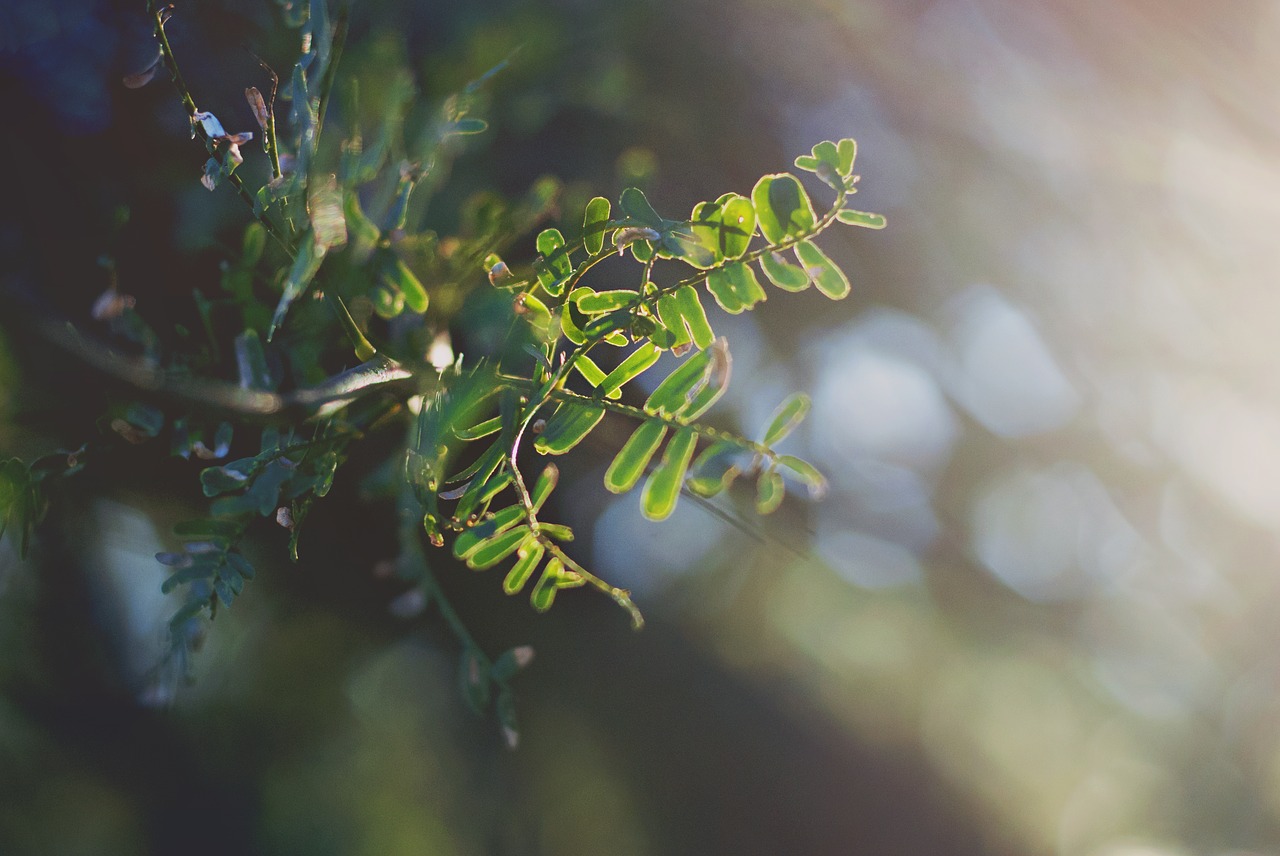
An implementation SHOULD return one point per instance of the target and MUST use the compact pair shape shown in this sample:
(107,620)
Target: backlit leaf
(782,207)
(497,548)
(829,279)
(662,489)
(769,492)
(595,225)
(807,473)
(735,287)
(597,302)
(566,428)
(635,364)
(628,465)
(529,556)
(861,218)
(634,204)
(469,540)
(785,419)
(783,273)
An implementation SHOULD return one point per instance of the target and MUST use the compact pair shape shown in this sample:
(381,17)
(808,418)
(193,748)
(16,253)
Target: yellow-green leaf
(628,465)
(662,489)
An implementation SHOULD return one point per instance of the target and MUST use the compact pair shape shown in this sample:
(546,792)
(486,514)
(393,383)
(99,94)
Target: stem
(189,104)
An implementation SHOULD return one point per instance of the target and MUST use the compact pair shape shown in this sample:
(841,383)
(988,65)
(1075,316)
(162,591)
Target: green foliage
(339,220)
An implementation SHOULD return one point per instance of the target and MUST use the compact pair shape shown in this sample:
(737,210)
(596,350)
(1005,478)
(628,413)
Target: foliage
(332,226)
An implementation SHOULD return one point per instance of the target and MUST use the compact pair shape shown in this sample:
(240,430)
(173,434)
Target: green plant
(333,224)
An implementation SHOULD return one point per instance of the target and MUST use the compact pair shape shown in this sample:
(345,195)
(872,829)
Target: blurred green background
(1034,615)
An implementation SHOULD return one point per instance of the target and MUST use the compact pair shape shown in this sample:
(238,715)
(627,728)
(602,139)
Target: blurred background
(1034,615)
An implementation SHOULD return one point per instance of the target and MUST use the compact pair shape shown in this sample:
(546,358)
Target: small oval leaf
(628,465)
(662,489)
(785,419)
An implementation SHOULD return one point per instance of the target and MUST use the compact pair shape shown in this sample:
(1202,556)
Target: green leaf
(628,465)
(567,427)
(807,473)
(679,241)
(782,273)
(785,419)
(240,565)
(556,265)
(847,150)
(397,275)
(782,207)
(305,266)
(554,577)
(252,362)
(363,233)
(597,302)
(544,485)
(674,393)
(662,489)
(717,382)
(556,531)
(473,679)
(735,287)
(825,161)
(595,225)
(483,429)
(690,308)
(232,476)
(497,548)
(469,125)
(637,208)
(206,530)
(636,363)
(529,556)
(769,492)
(861,218)
(714,469)
(191,573)
(469,540)
(725,225)
(829,279)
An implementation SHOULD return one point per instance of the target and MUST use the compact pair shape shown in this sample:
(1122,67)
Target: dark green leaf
(483,429)
(233,476)
(628,465)
(208,529)
(397,275)
(782,207)
(662,489)
(240,565)
(567,427)
(473,679)
(829,279)
(637,208)
(785,419)
(195,571)
(252,362)
(304,269)
(511,662)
